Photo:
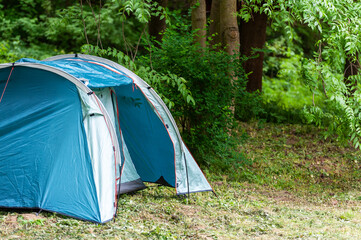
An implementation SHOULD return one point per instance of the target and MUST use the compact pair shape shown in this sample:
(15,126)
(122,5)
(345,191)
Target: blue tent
(78,130)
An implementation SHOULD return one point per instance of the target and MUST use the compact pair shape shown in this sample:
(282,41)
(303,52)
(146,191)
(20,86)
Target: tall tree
(157,25)
(214,26)
(228,26)
(199,21)
(253,35)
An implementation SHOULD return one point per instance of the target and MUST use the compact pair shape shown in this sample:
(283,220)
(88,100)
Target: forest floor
(296,185)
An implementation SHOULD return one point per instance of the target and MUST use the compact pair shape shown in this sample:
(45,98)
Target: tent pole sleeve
(11,71)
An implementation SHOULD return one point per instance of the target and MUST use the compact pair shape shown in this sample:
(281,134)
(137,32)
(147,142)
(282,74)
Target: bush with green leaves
(64,26)
(338,24)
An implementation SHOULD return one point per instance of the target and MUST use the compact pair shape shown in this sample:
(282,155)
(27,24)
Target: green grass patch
(293,157)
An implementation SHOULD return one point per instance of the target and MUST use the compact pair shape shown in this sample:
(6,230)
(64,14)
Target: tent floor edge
(131,186)
(36,210)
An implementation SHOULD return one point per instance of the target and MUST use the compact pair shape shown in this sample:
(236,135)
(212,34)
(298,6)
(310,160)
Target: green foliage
(167,84)
(287,88)
(228,160)
(13,51)
(334,26)
(248,105)
(288,84)
(340,116)
(47,25)
(337,23)
(140,8)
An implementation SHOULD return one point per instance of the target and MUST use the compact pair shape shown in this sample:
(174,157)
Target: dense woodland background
(214,63)
(266,94)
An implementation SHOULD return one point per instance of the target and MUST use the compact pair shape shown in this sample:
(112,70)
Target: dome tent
(78,130)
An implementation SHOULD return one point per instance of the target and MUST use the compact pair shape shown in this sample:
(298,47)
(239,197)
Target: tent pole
(122,152)
(185,161)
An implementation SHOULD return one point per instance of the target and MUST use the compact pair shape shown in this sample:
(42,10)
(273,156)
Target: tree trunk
(351,68)
(214,27)
(228,26)
(253,35)
(229,34)
(199,20)
(156,25)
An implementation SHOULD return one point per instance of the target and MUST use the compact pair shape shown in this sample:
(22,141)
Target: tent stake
(40,210)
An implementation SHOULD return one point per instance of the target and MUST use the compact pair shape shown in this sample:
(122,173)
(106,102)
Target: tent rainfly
(76,131)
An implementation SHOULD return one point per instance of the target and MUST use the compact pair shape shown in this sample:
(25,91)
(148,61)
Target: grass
(297,186)
(298,158)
